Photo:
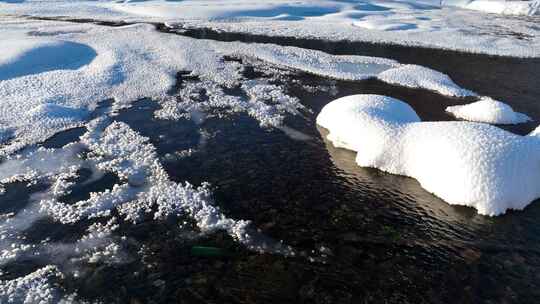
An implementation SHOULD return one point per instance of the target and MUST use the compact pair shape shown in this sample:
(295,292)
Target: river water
(360,235)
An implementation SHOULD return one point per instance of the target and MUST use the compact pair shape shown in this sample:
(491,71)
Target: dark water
(377,238)
(383,238)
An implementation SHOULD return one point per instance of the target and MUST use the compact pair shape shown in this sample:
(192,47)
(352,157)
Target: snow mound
(488,110)
(347,117)
(415,76)
(228,10)
(383,25)
(464,163)
(22,57)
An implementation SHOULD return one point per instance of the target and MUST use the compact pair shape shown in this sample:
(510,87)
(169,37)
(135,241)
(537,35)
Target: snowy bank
(463,163)
(54,74)
(415,23)
(489,111)
(527,8)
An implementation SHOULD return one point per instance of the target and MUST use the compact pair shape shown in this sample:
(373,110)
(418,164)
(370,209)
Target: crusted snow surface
(38,287)
(488,110)
(464,163)
(415,23)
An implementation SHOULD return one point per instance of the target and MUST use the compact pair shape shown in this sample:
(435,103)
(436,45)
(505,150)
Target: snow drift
(489,111)
(463,163)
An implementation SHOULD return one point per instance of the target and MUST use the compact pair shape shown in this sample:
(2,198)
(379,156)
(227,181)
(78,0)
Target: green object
(206,251)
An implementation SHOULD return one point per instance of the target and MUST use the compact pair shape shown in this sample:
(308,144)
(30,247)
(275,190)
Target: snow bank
(320,63)
(415,76)
(382,25)
(489,111)
(357,68)
(464,163)
(416,23)
(500,6)
(230,10)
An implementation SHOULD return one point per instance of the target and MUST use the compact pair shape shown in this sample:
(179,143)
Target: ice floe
(488,110)
(464,163)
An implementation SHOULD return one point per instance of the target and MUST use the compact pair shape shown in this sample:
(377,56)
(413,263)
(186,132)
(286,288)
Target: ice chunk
(488,110)
(464,163)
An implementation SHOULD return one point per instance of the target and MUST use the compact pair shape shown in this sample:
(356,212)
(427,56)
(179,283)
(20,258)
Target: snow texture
(488,110)
(463,163)
(415,23)
(114,63)
(415,76)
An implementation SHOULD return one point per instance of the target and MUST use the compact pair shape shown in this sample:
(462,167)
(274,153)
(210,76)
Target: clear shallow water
(374,237)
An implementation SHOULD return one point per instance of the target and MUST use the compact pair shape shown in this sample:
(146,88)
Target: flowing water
(360,235)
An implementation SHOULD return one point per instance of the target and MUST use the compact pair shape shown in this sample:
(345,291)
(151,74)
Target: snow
(415,76)
(381,25)
(33,55)
(500,6)
(414,23)
(488,110)
(231,9)
(112,147)
(107,63)
(36,287)
(464,163)
(53,76)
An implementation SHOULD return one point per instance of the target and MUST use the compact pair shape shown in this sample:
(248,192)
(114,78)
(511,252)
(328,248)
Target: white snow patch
(415,76)
(463,163)
(382,25)
(500,6)
(36,287)
(488,110)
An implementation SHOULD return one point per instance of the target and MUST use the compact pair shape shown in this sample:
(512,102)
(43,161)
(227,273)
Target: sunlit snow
(463,163)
